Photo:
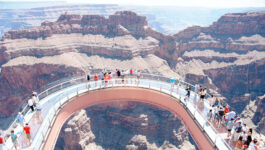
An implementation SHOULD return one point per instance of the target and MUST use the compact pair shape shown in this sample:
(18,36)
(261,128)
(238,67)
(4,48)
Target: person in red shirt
(1,141)
(95,79)
(27,131)
(131,72)
(226,109)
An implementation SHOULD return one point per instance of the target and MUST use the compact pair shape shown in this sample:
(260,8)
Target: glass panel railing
(78,85)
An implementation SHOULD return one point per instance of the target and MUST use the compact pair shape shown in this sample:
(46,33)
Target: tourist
(244,135)
(249,139)
(109,77)
(250,131)
(245,128)
(203,93)
(237,132)
(188,93)
(95,79)
(27,131)
(119,73)
(231,115)
(1,141)
(253,145)
(106,78)
(88,78)
(14,139)
(20,118)
(35,98)
(220,115)
(31,104)
(216,102)
(131,72)
(226,108)
(215,114)
(239,144)
(238,122)
(245,145)
(229,127)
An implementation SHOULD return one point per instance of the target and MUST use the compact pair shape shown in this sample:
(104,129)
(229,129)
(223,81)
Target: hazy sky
(188,3)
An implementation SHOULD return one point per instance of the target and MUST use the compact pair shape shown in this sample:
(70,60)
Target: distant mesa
(121,23)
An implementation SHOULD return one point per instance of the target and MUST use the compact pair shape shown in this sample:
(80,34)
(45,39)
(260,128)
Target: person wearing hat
(1,141)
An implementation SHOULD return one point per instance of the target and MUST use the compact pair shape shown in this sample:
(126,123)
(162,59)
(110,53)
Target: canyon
(124,125)
(227,56)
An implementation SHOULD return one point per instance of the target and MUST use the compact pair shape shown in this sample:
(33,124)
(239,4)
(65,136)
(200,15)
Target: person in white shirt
(253,145)
(35,98)
(245,128)
(31,104)
(244,135)
(231,115)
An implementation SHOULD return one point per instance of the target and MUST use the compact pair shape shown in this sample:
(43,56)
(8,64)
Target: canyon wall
(227,56)
(124,125)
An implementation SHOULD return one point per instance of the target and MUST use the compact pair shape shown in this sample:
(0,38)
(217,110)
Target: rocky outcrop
(121,23)
(136,126)
(238,24)
(227,56)
(17,82)
(235,82)
(259,116)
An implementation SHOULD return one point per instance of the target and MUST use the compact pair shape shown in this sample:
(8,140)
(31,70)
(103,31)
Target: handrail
(25,108)
(74,79)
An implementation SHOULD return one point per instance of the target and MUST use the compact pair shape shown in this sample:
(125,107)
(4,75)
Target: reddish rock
(132,123)
(240,24)
(17,83)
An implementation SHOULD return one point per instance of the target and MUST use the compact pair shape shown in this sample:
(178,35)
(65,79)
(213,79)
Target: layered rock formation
(227,56)
(124,125)
(61,45)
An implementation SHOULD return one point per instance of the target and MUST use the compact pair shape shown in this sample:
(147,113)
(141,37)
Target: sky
(185,3)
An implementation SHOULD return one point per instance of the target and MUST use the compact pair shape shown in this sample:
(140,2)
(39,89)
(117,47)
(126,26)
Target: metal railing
(80,84)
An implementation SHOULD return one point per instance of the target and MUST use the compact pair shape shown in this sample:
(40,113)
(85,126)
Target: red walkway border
(126,94)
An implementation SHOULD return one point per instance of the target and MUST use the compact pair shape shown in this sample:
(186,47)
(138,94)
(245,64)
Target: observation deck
(65,97)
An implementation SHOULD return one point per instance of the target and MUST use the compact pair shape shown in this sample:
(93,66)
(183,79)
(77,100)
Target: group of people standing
(33,104)
(106,76)
(237,132)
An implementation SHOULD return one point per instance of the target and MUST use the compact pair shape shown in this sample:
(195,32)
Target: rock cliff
(227,56)
(124,125)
